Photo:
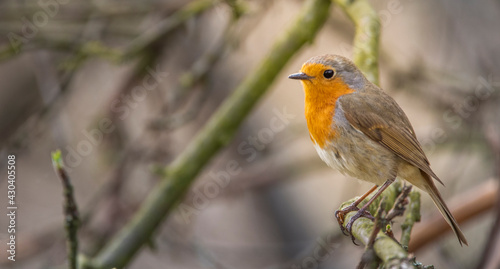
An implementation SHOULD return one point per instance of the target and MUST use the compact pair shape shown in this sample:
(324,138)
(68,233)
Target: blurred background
(120,86)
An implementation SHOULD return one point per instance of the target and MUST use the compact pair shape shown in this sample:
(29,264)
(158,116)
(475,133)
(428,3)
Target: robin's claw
(340,215)
(354,240)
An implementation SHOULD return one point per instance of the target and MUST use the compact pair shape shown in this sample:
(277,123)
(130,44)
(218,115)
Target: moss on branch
(412,216)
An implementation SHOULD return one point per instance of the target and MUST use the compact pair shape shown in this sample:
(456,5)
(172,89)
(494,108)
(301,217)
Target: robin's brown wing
(380,118)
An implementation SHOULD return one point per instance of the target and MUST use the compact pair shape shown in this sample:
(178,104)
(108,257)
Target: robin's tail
(439,202)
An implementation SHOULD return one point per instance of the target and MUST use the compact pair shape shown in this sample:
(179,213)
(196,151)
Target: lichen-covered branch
(366,38)
(216,133)
(412,216)
(72,221)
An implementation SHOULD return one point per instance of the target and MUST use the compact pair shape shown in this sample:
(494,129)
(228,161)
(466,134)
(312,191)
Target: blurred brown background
(439,60)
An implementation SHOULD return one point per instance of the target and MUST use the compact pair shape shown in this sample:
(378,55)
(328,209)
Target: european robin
(361,131)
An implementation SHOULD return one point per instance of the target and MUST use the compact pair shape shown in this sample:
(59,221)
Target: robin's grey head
(329,67)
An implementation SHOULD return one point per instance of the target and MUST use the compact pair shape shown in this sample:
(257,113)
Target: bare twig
(400,205)
(70,210)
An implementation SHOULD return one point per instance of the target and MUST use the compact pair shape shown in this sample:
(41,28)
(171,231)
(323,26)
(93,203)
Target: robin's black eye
(329,73)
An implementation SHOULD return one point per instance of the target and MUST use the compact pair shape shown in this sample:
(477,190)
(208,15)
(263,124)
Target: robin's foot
(340,215)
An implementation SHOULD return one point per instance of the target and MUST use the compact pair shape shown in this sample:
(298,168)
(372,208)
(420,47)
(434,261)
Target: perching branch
(217,133)
(70,210)
(389,251)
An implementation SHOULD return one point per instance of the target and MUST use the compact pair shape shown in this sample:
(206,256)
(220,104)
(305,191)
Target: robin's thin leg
(340,214)
(362,212)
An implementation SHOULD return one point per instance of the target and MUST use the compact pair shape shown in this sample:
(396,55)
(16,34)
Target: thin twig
(399,206)
(70,210)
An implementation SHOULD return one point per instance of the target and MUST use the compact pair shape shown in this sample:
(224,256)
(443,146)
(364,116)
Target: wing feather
(381,119)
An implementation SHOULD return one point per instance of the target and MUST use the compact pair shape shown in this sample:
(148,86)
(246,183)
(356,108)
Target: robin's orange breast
(320,104)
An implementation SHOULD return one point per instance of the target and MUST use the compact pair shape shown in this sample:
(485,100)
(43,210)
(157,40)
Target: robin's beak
(301,76)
